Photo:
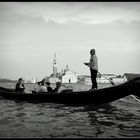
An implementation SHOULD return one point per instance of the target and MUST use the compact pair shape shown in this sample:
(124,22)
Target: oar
(135,98)
(108,79)
(87,64)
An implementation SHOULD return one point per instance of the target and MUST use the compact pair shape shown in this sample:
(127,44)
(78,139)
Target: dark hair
(38,83)
(48,83)
(42,83)
(92,50)
(20,79)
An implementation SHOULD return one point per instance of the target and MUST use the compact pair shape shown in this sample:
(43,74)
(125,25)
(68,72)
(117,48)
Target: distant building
(101,78)
(126,77)
(110,75)
(66,69)
(69,77)
(87,79)
(54,66)
(53,79)
(81,79)
(65,76)
(119,80)
(130,76)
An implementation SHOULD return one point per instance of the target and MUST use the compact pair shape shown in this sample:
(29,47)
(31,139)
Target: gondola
(98,96)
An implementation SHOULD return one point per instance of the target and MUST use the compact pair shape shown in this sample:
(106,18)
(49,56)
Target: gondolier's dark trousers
(93,78)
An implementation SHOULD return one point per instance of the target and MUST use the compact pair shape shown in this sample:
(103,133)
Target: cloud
(65,13)
(94,13)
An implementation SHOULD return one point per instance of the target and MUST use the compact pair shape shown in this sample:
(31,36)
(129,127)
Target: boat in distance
(98,96)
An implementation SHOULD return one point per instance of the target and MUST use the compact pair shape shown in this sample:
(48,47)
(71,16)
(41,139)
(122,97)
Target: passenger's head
(20,80)
(42,83)
(39,83)
(92,51)
(48,83)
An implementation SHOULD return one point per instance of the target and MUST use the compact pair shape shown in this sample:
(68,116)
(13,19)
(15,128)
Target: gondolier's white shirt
(93,64)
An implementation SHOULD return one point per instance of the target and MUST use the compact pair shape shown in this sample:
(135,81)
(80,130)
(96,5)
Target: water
(119,119)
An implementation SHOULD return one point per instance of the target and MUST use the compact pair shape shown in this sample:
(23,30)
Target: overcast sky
(32,32)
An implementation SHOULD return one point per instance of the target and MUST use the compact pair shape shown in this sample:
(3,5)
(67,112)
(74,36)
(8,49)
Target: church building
(65,76)
(69,76)
(54,78)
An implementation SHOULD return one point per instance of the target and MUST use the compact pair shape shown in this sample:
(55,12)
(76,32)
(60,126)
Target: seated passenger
(42,88)
(37,88)
(57,89)
(49,87)
(20,86)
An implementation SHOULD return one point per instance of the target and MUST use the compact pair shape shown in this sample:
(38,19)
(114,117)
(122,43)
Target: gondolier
(93,65)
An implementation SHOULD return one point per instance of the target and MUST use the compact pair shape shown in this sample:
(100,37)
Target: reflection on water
(48,120)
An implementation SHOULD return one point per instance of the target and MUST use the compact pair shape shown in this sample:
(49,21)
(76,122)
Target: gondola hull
(99,96)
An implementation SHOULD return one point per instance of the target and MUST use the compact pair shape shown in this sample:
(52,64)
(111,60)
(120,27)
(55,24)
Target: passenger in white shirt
(42,88)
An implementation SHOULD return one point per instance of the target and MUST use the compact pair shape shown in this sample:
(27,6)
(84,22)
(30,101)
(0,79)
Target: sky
(32,32)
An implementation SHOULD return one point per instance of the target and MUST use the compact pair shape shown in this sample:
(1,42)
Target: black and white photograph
(69,69)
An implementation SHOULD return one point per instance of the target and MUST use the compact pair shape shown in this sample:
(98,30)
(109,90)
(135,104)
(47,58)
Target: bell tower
(54,66)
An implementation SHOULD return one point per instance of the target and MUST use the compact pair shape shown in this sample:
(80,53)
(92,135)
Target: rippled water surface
(119,119)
